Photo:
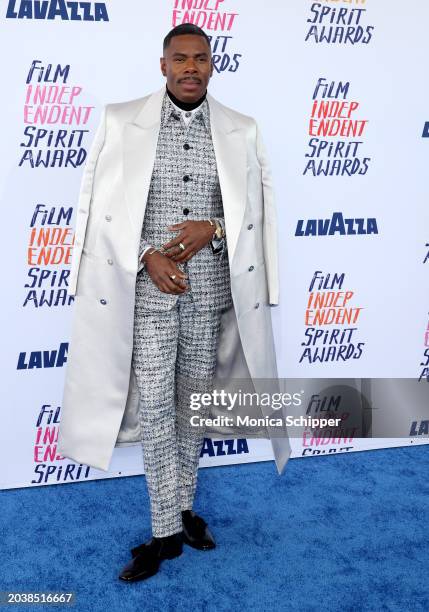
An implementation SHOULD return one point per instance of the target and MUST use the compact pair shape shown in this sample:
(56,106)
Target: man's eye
(179,59)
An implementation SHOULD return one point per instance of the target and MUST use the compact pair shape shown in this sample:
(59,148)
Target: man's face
(188,67)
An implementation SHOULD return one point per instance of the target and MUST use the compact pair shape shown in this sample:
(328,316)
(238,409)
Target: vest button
(186,146)
(257,305)
(108,217)
(186,178)
(186,211)
(110,262)
(250,226)
(251,268)
(103,301)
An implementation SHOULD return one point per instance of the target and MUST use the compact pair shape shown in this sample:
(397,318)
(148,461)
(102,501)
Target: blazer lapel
(231,160)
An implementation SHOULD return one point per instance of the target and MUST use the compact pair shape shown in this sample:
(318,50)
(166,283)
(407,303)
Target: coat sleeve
(85,199)
(270,229)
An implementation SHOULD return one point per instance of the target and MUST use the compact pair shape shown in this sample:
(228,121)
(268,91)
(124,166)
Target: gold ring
(182,246)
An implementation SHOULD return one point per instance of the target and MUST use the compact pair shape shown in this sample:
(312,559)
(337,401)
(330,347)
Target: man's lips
(190,82)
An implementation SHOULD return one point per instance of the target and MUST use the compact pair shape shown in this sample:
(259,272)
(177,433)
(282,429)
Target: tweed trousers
(174,355)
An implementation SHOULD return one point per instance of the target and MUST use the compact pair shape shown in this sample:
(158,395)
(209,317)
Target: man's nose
(190,65)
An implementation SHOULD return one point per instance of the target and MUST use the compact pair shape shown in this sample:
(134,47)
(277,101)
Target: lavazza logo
(57,9)
(336,225)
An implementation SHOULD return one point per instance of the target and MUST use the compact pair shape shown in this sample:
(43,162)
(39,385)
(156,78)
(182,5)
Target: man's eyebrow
(178,54)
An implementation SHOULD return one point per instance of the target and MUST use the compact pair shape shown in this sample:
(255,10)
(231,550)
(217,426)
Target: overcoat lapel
(140,140)
(231,160)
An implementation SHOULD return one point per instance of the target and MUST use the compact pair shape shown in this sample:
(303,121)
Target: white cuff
(142,263)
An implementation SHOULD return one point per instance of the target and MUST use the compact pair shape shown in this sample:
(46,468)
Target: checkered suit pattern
(176,337)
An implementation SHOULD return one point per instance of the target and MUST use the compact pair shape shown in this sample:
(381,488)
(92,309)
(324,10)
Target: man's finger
(177,226)
(184,254)
(176,276)
(173,287)
(165,288)
(173,243)
(175,270)
(173,249)
(179,279)
(180,282)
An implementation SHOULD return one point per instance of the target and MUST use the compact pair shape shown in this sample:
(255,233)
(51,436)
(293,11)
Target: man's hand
(164,273)
(193,235)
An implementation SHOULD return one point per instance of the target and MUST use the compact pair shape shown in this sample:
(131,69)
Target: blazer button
(110,262)
(103,301)
(108,217)
(186,211)
(250,226)
(251,268)
(257,305)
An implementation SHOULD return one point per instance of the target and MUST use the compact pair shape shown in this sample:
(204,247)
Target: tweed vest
(184,186)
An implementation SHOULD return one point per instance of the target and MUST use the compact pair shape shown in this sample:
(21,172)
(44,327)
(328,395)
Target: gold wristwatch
(219,233)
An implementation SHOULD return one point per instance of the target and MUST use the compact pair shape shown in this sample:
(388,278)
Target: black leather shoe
(195,531)
(147,557)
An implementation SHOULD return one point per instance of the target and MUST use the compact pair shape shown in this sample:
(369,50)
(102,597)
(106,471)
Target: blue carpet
(346,532)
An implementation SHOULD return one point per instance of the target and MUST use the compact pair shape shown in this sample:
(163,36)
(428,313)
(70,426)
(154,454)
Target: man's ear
(163,66)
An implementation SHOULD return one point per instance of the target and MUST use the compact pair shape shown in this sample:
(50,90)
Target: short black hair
(184,28)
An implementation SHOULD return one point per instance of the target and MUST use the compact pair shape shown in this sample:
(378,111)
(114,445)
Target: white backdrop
(358,210)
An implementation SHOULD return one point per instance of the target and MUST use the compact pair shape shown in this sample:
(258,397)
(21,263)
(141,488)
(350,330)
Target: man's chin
(189,94)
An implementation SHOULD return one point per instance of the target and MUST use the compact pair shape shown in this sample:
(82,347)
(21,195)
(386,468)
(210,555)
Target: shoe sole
(192,545)
(139,578)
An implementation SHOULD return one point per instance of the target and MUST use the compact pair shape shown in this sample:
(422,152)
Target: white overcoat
(100,401)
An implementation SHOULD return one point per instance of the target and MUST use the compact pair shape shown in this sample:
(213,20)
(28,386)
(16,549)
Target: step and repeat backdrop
(340,92)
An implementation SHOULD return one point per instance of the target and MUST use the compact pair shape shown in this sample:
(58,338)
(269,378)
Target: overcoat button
(110,261)
(186,146)
(250,226)
(251,268)
(108,217)
(103,301)
(186,178)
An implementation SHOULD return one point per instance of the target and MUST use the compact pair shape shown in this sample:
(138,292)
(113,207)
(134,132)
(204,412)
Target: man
(174,269)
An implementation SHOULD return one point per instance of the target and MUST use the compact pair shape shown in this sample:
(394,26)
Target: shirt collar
(168,108)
